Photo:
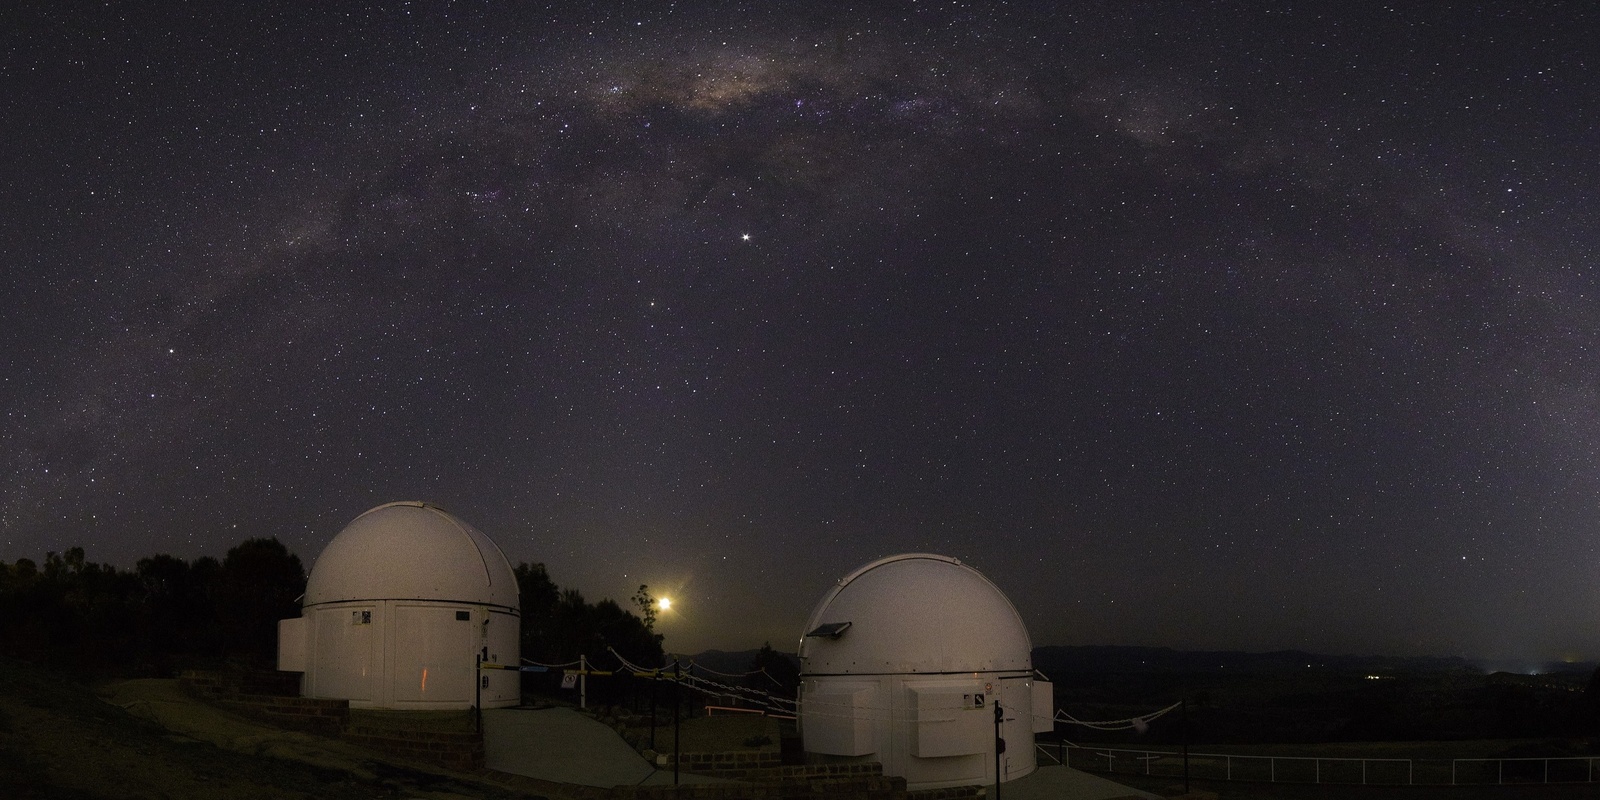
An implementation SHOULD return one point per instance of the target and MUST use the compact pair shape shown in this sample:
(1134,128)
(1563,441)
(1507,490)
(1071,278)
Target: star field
(1204,326)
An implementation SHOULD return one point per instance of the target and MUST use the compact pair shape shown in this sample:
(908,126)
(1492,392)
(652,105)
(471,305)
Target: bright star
(745,237)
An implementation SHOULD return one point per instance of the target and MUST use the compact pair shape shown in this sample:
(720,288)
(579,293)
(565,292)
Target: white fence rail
(1306,769)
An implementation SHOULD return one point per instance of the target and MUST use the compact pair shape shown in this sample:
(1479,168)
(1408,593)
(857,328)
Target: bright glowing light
(665,604)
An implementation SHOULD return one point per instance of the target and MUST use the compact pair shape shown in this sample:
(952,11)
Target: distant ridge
(1127,660)
(1144,660)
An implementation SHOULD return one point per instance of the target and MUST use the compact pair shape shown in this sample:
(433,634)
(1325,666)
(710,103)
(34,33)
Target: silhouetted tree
(73,614)
(782,675)
(179,613)
(627,634)
(1591,701)
(646,604)
(560,625)
(259,583)
(538,596)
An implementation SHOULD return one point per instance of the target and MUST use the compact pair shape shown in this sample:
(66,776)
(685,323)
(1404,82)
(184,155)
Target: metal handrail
(1106,759)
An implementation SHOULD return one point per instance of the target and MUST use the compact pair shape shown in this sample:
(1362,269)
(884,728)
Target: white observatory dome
(412,551)
(918,662)
(400,610)
(916,613)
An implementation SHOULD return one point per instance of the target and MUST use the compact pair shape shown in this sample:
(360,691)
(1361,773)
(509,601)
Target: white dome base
(427,651)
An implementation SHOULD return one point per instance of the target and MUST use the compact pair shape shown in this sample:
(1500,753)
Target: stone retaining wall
(811,782)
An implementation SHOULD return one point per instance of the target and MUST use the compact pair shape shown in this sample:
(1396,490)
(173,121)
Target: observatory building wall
(410,654)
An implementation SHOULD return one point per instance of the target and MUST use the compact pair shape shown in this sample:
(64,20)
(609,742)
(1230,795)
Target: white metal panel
(341,654)
(837,719)
(1016,726)
(1044,706)
(950,721)
(293,642)
(434,655)
(504,638)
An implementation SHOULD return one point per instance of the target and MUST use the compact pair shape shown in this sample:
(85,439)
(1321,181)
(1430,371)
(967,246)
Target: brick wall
(845,782)
(728,765)
(804,782)
(229,690)
(951,793)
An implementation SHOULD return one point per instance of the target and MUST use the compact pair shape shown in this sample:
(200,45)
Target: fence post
(677,729)
(1185,706)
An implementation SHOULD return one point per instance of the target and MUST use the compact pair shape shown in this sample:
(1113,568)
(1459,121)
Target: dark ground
(60,739)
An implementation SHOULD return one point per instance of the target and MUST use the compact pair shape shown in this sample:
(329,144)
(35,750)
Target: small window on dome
(464,616)
(361,618)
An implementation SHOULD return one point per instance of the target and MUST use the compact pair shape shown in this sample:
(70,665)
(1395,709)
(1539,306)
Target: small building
(905,662)
(398,610)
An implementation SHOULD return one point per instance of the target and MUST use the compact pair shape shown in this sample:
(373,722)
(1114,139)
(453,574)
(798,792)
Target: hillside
(50,727)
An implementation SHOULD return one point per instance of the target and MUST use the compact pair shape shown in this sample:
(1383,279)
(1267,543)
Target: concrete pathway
(1063,783)
(561,745)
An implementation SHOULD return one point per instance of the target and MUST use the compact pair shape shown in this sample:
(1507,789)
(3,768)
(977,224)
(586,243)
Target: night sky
(1210,326)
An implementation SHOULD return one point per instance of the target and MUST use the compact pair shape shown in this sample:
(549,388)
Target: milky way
(1220,327)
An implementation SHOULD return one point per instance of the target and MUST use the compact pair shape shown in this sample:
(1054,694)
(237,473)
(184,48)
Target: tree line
(168,614)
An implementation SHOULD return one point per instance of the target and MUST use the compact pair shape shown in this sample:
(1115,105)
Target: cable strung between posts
(1115,724)
(694,664)
(552,666)
(786,704)
(752,695)
(772,703)
(763,671)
